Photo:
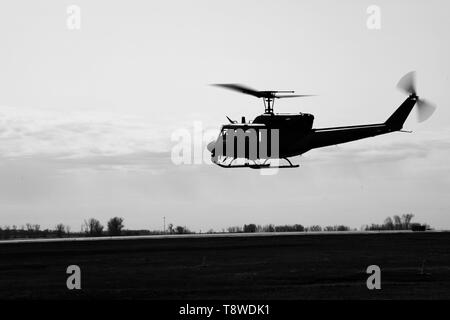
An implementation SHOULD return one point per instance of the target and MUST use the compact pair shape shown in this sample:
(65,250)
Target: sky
(87,115)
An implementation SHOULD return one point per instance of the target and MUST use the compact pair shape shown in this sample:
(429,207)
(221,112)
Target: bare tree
(314,228)
(388,224)
(181,230)
(250,227)
(397,222)
(93,227)
(115,226)
(31,228)
(234,229)
(406,220)
(269,228)
(60,230)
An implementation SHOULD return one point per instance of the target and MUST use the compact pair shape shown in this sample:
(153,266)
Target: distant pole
(164,218)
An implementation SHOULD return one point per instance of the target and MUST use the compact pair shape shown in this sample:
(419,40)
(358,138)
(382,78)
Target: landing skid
(255,165)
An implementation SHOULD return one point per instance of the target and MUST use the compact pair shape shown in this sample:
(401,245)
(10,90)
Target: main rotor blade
(408,83)
(240,88)
(259,94)
(296,96)
(424,110)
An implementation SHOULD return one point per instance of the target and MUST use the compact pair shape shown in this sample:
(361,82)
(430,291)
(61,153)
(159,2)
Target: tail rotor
(424,108)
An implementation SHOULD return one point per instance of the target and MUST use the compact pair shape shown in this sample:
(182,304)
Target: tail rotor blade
(408,83)
(424,110)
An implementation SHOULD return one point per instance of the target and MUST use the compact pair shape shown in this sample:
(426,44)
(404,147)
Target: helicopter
(273,137)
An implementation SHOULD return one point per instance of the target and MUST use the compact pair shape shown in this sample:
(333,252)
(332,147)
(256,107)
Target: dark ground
(283,267)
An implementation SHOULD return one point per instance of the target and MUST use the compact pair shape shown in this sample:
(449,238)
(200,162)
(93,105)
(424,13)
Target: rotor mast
(269,99)
(268,105)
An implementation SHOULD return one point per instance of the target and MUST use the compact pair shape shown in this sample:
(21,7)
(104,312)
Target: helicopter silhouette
(272,136)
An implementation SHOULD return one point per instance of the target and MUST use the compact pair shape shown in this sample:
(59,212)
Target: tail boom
(336,135)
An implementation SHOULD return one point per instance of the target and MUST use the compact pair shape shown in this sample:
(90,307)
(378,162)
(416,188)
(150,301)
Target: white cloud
(77,134)
(387,148)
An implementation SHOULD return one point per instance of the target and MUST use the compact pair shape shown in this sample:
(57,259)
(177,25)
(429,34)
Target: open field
(306,266)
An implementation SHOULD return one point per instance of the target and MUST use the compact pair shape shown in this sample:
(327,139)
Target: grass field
(413,266)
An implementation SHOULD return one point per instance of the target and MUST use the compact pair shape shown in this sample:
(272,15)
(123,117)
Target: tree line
(90,228)
(398,223)
(115,227)
(285,228)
